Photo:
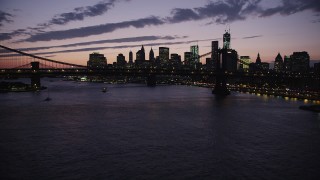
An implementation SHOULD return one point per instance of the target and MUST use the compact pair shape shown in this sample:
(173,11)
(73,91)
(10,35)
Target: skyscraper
(287,63)
(300,61)
(97,61)
(246,60)
(121,60)
(214,52)
(151,56)
(164,55)
(140,56)
(229,60)
(187,58)
(130,57)
(227,40)
(278,63)
(194,55)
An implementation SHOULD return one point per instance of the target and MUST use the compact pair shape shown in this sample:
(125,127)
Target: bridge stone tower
(221,67)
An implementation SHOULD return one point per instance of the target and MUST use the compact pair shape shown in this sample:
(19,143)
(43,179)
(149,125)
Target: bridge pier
(151,80)
(220,88)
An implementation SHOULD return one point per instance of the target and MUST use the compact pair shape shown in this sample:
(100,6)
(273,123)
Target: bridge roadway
(153,71)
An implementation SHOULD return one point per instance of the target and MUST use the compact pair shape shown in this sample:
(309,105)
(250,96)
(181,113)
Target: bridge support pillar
(35,81)
(220,88)
(151,80)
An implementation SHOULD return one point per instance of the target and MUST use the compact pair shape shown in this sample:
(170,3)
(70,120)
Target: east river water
(166,132)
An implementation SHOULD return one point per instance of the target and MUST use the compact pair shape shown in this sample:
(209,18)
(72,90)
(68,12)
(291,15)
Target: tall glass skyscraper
(194,55)
(227,40)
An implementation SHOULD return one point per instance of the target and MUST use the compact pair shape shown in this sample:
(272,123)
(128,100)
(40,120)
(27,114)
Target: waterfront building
(97,61)
(151,55)
(258,60)
(245,61)
(316,68)
(194,55)
(175,58)
(287,63)
(300,61)
(187,58)
(130,57)
(164,55)
(227,40)
(229,60)
(265,66)
(278,63)
(121,60)
(140,56)
(214,52)
(209,63)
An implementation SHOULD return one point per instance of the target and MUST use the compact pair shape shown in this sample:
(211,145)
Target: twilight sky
(69,30)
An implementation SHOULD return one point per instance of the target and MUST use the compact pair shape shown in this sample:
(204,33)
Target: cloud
(120,40)
(289,7)
(5,36)
(220,12)
(80,13)
(251,37)
(91,49)
(5,18)
(93,30)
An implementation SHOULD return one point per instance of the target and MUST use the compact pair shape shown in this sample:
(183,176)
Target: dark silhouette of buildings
(242,66)
(140,56)
(287,63)
(258,60)
(130,57)
(151,55)
(121,60)
(187,58)
(97,61)
(259,65)
(278,63)
(214,52)
(164,55)
(300,61)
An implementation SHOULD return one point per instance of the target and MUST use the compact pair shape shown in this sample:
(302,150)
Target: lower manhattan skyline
(70,31)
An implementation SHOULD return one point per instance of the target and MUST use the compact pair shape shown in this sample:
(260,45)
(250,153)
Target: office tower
(164,55)
(140,56)
(121,60)
(187,58)
(229,60)
(227,40)
(287,63)
(130,57)
(97,61)
(151,56)
(278,63)
(175,57)
(194,55)
(300,61)
(214,52)
(244,63)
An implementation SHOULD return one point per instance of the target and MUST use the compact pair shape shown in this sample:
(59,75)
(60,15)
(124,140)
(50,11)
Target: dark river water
(165,132)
